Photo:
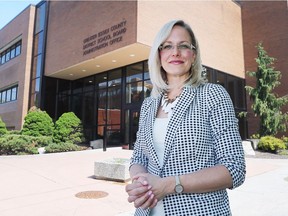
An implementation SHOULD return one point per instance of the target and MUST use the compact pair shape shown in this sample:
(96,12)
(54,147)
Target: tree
(68,128)
(266,104)
(3,129)
(37,123)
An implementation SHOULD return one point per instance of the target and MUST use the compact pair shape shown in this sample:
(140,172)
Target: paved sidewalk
(46,185)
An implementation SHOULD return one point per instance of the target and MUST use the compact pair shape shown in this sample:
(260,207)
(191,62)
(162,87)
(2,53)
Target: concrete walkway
(47,184)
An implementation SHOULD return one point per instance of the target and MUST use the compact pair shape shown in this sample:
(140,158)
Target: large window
(9,94)
(109,103)
(38,53)
(235,86)
(10,53)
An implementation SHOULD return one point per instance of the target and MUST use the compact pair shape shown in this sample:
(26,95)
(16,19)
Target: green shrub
(17,132)
(285,140)
(11,144)
(43,141)
(3,129)
(271,144)
(68,128)
(37,123)
(14,144)
(62,147)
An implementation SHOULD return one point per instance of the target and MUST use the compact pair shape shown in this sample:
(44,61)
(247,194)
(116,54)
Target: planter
(114,169)
(254,143)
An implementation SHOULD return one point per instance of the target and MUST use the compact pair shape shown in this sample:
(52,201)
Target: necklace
(168,104)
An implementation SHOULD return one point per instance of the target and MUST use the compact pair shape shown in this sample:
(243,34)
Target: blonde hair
(157,73)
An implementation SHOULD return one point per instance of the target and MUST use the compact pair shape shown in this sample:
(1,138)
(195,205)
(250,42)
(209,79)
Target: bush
(62,147)
(285,140)
(37,123)
(43,141)
(12,144)
(16,132)
(68,128)
(271,144)
(3,129)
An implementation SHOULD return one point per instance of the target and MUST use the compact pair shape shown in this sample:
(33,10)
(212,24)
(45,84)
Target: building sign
(104,38)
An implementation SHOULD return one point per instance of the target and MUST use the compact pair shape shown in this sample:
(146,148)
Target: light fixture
(114,61)
(97,65)
(83,70)
(132,55)
(71,74)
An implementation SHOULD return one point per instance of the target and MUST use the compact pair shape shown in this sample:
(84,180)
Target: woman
(188,149)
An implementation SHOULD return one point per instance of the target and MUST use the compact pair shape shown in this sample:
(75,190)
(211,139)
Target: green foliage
(68,128)
(15,132)
(43,141)
(37,123)
(271,144)
(242,114)
(3,129)
(285,140)
(62,147)
(11,144)
(266,104)
(255,136)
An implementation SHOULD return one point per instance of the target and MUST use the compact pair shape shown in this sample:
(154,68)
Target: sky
(9,9)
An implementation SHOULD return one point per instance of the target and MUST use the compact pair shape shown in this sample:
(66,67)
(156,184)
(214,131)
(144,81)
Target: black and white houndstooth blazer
(202,132)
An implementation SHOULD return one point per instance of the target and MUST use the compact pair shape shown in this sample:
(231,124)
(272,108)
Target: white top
(159,133)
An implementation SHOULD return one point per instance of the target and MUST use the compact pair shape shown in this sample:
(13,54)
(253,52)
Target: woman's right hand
(140,193)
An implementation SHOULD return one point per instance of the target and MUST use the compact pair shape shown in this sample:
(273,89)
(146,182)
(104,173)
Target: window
(18,48)
(10,53)
(13,50)
(8,94)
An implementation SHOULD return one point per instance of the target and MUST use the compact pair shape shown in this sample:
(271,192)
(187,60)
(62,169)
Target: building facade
(78,56)
(272,32)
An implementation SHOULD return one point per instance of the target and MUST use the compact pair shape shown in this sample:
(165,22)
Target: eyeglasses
(167,47)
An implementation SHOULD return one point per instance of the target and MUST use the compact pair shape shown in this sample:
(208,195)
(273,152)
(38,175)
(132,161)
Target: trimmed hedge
(271,144)
(37,123)
(12,144)
(68,128)
(62,147)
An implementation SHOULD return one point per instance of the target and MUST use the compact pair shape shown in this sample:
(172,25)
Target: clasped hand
(145,190)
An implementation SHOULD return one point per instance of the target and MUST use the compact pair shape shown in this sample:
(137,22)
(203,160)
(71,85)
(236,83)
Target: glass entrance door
(131,126)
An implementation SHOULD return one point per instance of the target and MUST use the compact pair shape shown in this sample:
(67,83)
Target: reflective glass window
(146,71)
(220,78)
(114,78)
(41,14)
(134,92)
(8,95)
(88,108)
(18,48)
(38,43)
(7,55)
(12,52)
(89,84)
(77,86)
(37,63)
(77,105)
(14,94)
(2,58)
(101,81)
(134,73)
(147,88)
(4,97)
